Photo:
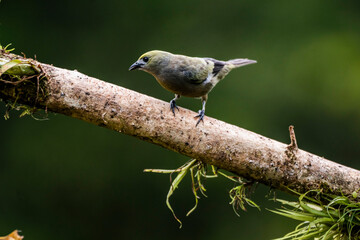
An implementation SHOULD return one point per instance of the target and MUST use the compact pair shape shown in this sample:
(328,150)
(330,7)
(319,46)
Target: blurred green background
(67,179)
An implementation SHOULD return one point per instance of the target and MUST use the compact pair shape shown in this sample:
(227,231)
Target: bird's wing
(196,78)
(218,65)
(194,70)
(198,70)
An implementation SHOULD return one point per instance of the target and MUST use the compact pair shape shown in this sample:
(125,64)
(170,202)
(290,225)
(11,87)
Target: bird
(186,76)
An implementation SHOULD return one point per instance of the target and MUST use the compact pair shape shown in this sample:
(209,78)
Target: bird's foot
(173,106)
(201,115)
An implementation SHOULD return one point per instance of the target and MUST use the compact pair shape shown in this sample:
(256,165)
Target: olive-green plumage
(186,76)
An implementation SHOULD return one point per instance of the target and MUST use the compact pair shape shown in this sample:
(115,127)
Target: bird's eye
(145,59)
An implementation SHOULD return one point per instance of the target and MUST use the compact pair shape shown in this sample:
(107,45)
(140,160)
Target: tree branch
(226,146)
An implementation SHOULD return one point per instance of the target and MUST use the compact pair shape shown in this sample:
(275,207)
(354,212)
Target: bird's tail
(239,62)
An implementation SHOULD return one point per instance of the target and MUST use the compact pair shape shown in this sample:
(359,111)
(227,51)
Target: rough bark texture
(229,147)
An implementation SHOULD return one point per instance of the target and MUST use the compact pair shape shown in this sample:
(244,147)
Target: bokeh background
(66,179)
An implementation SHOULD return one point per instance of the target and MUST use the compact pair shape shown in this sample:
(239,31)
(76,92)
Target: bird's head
(151,61)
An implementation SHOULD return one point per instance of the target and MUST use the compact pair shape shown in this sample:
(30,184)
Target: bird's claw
(173,106)
(201,115)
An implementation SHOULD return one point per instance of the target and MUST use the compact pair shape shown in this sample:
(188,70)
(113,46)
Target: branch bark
(226,146)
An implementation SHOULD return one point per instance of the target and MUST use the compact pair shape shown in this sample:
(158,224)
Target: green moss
(23,84)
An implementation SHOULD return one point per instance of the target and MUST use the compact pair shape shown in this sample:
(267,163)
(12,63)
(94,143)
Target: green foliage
(15,72)
(6,48)
(239,199)
(198,171)
(26,110)
(323,216)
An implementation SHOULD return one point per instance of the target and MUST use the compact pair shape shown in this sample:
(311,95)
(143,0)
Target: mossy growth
(23,83)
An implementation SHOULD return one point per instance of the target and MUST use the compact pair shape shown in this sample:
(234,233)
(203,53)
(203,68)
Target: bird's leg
(173,104)
(201,113)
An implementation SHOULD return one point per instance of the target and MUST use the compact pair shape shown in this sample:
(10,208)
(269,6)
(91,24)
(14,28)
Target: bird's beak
(135,66)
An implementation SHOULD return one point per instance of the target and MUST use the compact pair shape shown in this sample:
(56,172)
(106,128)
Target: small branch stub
(293,143)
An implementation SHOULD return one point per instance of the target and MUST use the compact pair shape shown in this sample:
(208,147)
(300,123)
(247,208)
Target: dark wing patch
(218,65)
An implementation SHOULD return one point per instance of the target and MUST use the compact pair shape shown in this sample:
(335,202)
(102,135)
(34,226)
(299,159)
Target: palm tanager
(187,76)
